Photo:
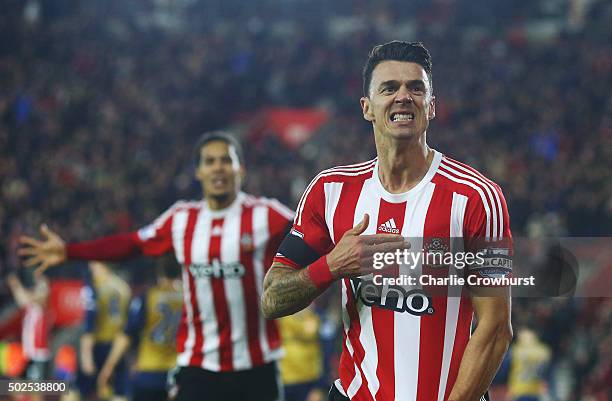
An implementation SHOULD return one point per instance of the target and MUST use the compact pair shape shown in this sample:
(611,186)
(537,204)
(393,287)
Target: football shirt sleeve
(280,220)
(156,238)
(109,248)
(308,238)
(153,240)
(487,230)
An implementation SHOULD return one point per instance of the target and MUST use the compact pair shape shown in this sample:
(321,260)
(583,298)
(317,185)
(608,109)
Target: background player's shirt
(400,343)
(106,305)
(35,326)
(35,333)
(153,320)
(225,255)
(303,361)
(528,368)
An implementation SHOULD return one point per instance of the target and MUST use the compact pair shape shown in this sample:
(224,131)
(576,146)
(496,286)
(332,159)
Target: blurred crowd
(101,103)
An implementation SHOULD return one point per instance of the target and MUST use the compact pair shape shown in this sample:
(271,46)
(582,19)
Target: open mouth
(401,116)
(217,181)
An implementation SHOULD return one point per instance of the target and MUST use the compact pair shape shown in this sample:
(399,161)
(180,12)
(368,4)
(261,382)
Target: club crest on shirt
(246,243)
(434,250)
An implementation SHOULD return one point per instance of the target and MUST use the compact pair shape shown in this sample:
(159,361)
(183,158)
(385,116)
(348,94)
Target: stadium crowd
(100,103)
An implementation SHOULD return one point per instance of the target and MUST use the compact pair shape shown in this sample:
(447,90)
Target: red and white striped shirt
(225,255)
(35,333)
(411,354)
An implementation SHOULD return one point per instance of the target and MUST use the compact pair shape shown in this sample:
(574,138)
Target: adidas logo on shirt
(389,227)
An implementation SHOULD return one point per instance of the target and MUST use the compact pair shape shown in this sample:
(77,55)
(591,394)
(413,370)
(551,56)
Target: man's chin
(219,195)
(404,134)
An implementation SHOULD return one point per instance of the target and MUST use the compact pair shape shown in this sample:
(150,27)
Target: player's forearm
(121,344)
(110,248)
(21,295)
(481,359)
(86,346)
(286,291)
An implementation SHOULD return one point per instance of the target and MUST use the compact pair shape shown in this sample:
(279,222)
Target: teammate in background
(528,363)
(302,366)
(35,328)
(106,298)
(401,343)
(152,323)
(225,245)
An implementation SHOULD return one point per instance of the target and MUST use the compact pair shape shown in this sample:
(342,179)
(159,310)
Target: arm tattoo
(286,291)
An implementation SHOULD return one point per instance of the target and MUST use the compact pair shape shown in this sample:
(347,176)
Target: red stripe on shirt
(277,224)
(358,352)
(462,337)
(488,201)
(431,348)
(346,366)
(181,332)
(35,333)
(345,210)
(192,217)
(221,305)
(249,286)
(344,215)
(383,319)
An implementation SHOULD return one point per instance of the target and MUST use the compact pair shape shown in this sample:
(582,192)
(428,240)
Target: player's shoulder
(180,206)
(464,179)
(272,204)
(346,173)
(183,204)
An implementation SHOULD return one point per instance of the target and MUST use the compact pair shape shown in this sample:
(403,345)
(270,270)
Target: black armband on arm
(296,249)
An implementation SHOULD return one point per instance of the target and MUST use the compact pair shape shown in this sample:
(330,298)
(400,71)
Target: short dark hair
(222,136)
(396,50)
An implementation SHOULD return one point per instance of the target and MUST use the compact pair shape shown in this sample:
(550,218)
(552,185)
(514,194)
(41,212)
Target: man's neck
(220,202)
(402,164)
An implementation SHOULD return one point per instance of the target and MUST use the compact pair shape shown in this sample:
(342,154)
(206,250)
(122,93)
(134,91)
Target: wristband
(320,274)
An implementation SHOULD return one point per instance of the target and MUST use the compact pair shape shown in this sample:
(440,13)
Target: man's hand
(354,254)
(287,290)
(45,253)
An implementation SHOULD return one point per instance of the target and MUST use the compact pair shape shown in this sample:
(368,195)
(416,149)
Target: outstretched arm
(51,250)
(44,253)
